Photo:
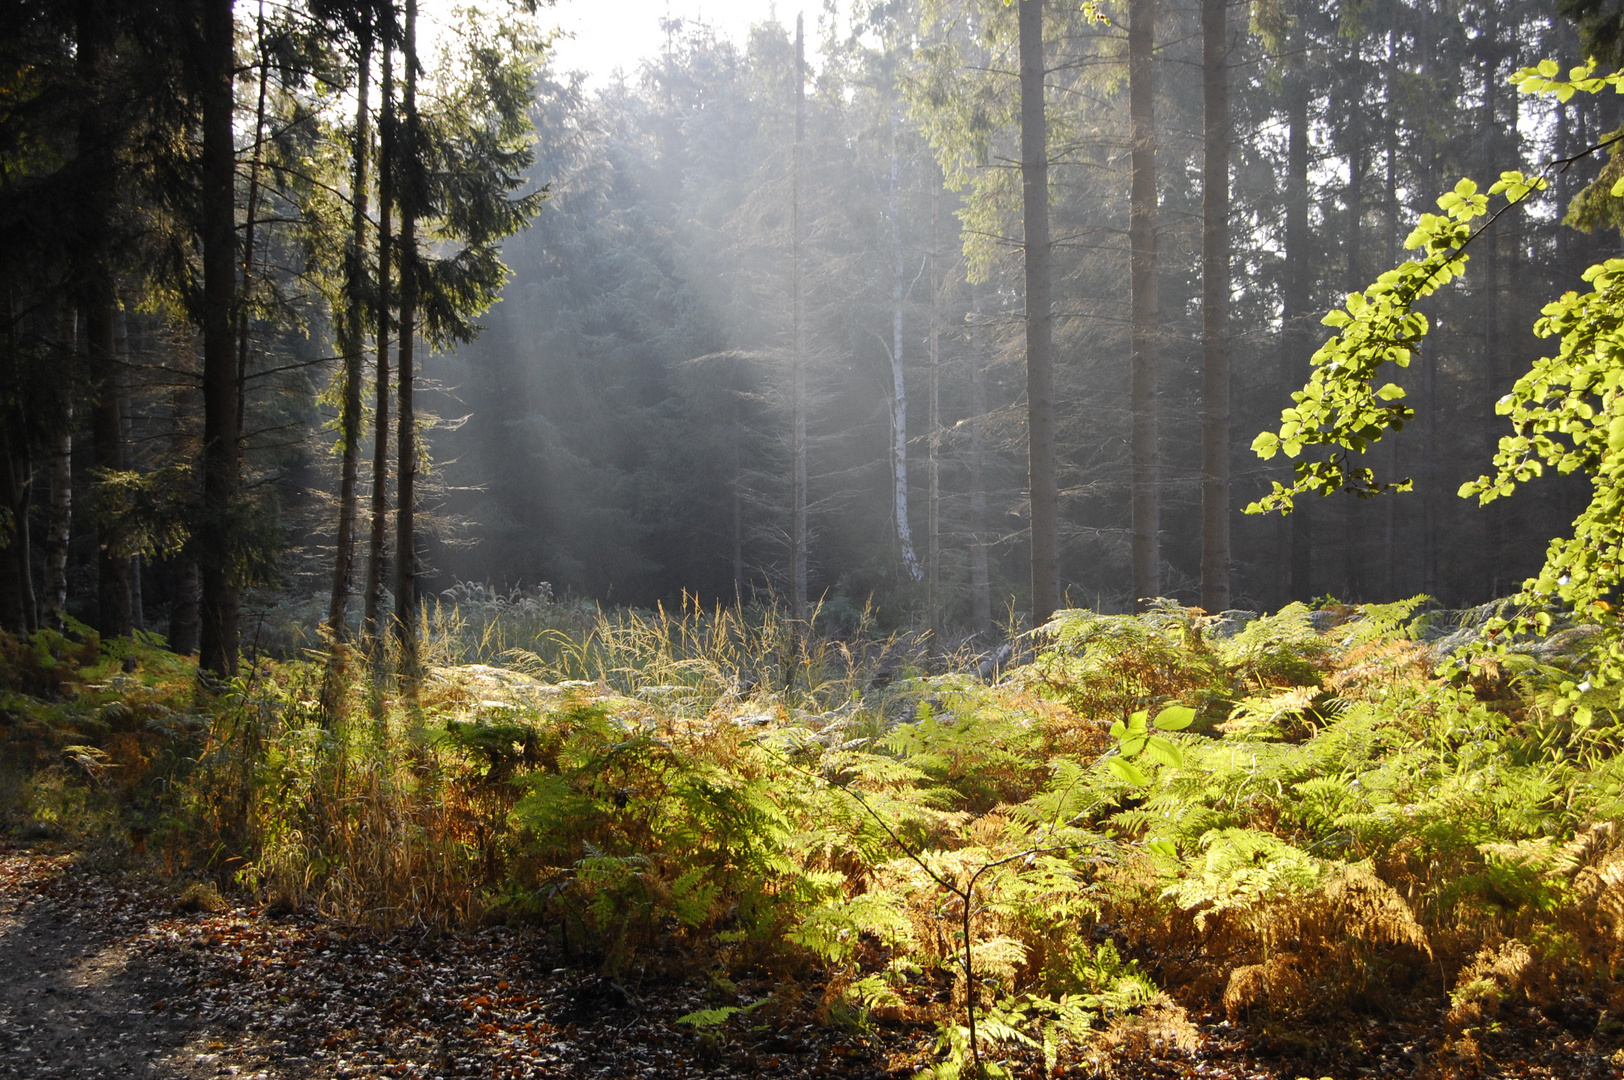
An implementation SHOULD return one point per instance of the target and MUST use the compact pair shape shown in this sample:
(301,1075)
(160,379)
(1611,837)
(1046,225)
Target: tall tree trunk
(351,343)
(933,604)
(380,424)
(1296,297)
(797,525)
(251,220)
(221,466)
(1511,241)
(1353,585)
(736,464)
(18,611)
(1390,220)
(183,609)
(899,393)
(1042,473)
(411,195)
(97,300)
(59,521)
(980,578)
(126,424)
(107,439)
(1215,557)
(1145,450)
(1428,485)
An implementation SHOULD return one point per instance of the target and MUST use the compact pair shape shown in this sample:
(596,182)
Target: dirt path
(77,987)
(100,976)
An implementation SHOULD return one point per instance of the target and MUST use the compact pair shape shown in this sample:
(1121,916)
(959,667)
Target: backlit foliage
(1159,814)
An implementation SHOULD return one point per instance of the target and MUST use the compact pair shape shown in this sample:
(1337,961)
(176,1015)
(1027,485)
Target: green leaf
(1390,392)
(1127,772)
(1168,753)
(1175,718)
(705,1018)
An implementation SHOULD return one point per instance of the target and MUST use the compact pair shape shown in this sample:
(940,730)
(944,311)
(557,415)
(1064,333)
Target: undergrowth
(1160,815)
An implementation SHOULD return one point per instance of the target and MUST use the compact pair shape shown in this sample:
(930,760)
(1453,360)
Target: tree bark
(107,440)
(126,423)
(1215,551)
(251,220)
(1353,545)
(350,345)
(1353,586)
(980,578)
(1390,223)
(59,520)
(1428,485)
(797,528)
(899,392)
(1145,451)
(736,488)
(183,609)
(1295,312)
(18,612)
(933,604)
(377,541)
(406,434)
(97,299)
(1042,474)
(221,467)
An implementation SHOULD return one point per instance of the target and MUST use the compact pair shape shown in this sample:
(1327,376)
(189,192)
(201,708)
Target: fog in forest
(747,317)
(629,410)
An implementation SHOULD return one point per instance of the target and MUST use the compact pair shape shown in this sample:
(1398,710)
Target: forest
(941,538)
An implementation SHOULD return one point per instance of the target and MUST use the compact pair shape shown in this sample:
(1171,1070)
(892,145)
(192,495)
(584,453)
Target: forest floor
(105,973)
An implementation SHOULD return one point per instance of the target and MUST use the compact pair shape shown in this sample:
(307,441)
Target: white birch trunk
(798,539)
(899,392)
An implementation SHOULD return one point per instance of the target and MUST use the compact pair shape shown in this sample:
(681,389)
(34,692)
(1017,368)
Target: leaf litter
(107,972)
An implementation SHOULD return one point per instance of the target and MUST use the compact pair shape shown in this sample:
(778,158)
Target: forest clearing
(959,539)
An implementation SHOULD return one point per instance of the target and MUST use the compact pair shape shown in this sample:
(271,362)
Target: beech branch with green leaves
(1567,412)
(1341,406)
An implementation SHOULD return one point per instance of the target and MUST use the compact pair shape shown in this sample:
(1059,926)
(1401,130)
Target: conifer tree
(1215,556)
(217,543)
(1043,481)
(1146,451)
(351,335)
